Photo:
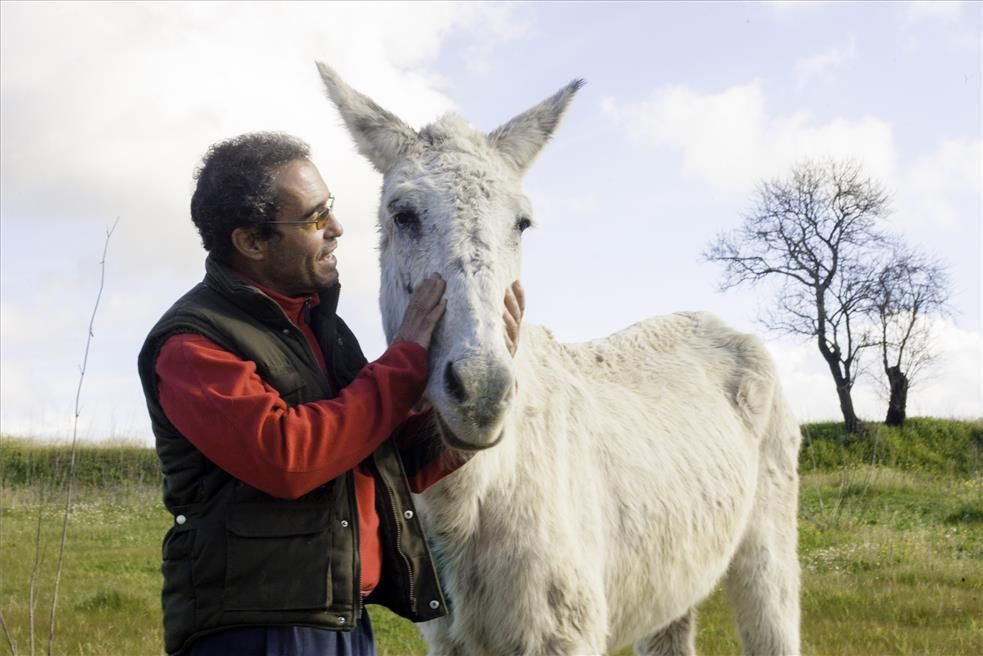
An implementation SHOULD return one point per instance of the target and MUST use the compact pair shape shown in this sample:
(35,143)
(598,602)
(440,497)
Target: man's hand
(426,307)
(515,305)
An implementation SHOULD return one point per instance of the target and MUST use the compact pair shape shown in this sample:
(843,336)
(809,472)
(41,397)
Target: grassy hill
(891,546)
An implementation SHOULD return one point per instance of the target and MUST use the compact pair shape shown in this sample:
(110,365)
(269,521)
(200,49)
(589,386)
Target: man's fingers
(435,313)
(515,304)
(512,305)
(511,325)
(428,292)
(511,332)
(438,310)
(434,288)
(433,317)
(424,311)
(520,296)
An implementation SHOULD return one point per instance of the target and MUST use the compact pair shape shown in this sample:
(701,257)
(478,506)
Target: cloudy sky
(107,109)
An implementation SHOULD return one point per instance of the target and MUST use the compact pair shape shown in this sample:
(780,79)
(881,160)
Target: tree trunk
(897,404)
(853,424)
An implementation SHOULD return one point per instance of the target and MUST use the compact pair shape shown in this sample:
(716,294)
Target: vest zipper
(307,347)
(353,509)
(409,566)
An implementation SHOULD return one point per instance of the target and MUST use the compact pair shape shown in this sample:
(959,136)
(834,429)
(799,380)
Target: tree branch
(816,232)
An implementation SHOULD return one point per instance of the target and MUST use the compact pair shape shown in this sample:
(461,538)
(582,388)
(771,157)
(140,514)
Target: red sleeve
(222,406)
(424,455)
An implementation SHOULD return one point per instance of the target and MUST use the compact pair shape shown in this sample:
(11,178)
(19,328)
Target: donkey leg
(677,639)
(763,579)
(436,633)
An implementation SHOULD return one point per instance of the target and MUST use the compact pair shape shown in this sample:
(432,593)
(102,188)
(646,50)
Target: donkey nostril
(454,385)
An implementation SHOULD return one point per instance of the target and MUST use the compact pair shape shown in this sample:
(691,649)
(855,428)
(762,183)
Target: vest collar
(242,292)
(297,308)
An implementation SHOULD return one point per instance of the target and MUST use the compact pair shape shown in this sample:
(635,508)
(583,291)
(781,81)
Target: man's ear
(248,243)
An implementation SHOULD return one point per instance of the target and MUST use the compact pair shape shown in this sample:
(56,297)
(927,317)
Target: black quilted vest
(236,556)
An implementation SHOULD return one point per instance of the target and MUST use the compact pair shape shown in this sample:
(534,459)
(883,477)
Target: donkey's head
(452,203)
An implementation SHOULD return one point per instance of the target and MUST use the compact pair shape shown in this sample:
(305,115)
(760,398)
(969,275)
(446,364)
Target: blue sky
(107,108)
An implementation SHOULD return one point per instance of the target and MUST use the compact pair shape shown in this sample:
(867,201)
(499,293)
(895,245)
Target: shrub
(945,446)
(24,462)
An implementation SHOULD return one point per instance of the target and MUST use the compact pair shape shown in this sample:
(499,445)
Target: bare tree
(816,234)
(909,287)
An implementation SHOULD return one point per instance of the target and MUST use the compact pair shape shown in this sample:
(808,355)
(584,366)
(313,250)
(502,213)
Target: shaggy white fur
(622,478)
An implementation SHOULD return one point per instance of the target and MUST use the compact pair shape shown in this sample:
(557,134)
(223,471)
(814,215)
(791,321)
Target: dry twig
(71,463)
(32,586)
(6,634)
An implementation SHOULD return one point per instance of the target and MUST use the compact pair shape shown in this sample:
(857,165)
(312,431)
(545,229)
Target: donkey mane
(451,131)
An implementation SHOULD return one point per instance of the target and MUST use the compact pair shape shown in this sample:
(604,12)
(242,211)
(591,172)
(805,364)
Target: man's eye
(322,219)
(405,218)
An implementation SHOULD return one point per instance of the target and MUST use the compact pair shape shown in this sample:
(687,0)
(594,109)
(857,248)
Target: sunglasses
(319,221)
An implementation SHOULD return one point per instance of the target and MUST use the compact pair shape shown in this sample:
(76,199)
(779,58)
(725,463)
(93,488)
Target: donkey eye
(522,224)
(405,218)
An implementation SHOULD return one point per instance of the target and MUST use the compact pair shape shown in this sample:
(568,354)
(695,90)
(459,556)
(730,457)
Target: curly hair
(235,186)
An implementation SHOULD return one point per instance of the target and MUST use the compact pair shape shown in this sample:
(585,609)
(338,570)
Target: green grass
(109,600)
(892,567)
(891,552)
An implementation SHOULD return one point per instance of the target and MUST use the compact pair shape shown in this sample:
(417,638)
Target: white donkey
(615,482)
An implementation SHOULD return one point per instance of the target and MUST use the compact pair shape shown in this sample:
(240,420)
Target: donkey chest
(519,589)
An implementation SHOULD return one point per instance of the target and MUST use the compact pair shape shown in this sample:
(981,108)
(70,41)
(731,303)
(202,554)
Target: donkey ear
(521,139)
(380,135)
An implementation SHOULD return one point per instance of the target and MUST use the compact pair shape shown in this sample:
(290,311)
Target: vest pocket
(277,559)
(178,592)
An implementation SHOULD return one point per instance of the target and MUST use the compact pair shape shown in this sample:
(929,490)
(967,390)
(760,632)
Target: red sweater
(239,422)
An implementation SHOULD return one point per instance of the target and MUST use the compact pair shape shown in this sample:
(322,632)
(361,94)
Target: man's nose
(333,229)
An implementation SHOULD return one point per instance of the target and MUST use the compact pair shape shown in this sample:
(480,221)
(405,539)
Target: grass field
(892,553)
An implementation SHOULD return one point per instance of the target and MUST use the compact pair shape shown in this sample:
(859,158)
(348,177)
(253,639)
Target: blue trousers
(288,641)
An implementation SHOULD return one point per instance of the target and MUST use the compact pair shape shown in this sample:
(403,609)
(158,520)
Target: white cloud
(941,23)
(502,24)
(729,140)
(37,412)
(953,386)
(946,11)
(823,67)
(933,184)
(793,5)
(106,111)
(955,166)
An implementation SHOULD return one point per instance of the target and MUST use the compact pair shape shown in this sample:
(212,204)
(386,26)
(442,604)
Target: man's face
(300,258)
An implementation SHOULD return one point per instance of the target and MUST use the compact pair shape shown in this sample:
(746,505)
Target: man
(288,461)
